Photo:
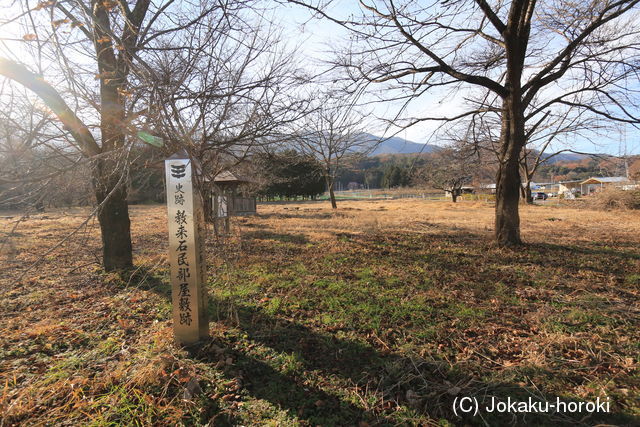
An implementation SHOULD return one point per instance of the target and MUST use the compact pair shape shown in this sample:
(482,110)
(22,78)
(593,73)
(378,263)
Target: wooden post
(231,196)
(186,252)
(216,211)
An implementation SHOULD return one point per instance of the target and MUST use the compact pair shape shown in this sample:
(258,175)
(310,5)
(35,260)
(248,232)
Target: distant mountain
(397,145)
(564,158)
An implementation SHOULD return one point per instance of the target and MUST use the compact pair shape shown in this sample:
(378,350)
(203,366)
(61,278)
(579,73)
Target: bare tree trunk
(110,172)
(508,182)
(512,132)
(207,202)
(528,196)
(332,195)
(454,196)
(525,193)
(113,217)
(507,198)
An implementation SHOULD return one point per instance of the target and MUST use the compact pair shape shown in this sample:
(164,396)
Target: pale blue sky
(319,36)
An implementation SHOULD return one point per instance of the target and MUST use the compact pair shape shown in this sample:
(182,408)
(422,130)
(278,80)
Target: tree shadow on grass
(147,279)
(603,260)
(284,391)
(315,216)
(299,239)
(261,380)
(594,250)
(424,384)
(574,258)
(428,387)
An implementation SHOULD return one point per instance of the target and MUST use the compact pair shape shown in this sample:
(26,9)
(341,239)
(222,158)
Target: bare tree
(226,94)
(35,162)
(522,57)
(449,169)
(73,43)
(553,134)
(333,130)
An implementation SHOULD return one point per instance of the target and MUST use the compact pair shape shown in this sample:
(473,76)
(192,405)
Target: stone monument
(186,251)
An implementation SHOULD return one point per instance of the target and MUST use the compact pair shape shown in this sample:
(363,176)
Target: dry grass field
(382,313)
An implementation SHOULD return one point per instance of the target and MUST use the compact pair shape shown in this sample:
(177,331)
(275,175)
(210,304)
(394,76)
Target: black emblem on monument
(178,171)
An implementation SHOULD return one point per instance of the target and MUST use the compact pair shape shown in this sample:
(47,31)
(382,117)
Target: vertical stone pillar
(186,251)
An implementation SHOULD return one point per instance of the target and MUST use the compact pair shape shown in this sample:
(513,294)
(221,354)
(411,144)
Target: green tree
(395,176)
(290,174)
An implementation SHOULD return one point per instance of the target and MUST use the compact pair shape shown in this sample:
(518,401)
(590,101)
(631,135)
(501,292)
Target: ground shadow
(605,251)
(426,386)
(423,384)
(564,257)
(258,377)
(299,239)
(288,392)
(303,215)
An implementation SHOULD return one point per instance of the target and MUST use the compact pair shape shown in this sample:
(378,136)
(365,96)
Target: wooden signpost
(186,252)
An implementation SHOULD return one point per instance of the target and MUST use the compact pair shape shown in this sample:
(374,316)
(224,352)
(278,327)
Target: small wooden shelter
(227,199)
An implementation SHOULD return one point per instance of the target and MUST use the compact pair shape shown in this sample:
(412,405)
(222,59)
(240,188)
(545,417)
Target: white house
(594,184)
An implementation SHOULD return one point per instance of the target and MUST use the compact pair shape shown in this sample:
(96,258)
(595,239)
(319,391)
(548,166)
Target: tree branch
(80,132)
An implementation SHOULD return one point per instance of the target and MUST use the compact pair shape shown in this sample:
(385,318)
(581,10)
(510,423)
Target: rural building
(488,188)
(465,189)
(569,187)
(595,184)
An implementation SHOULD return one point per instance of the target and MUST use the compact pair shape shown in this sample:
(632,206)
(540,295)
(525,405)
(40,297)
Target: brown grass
(549,223)
(378,313)
(615,199)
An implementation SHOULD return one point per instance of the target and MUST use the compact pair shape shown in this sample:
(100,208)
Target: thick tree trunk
(508,183)
(507,198)
(512,133)
(454,196)
(110,173)
(113,216)
(110,169)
